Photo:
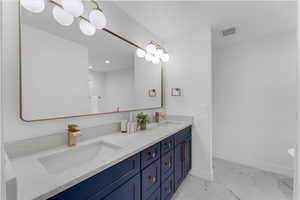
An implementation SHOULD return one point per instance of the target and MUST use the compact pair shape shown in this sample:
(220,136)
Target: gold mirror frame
(87,115)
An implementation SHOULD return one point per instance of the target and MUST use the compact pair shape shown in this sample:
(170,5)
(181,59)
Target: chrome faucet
(73,133)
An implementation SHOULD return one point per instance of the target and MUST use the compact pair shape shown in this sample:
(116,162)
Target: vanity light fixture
(35,6)
(64,12)
(107,62)
(154,53)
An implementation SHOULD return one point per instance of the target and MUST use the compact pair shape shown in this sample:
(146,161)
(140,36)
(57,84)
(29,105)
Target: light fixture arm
(97,5)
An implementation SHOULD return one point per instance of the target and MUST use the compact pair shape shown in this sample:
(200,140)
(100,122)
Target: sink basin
(76,156)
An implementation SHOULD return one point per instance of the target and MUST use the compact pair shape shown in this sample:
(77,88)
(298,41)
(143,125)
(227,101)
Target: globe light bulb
(62,17)
(158,53)
(74,7)
(165,57)
(87,28)
(155,60)
(140,53)
(151,48)
(97,18)
(35,6)
(148,57)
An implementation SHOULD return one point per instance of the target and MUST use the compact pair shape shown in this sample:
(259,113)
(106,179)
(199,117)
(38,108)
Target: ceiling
(172,20)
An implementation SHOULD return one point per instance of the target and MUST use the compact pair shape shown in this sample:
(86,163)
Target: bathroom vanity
(151,174)
(146,165)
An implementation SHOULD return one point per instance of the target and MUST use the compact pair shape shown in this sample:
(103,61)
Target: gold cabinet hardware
(168,190)
(152,154)
(168,144)
(186,151)
(152,179)
(168,164)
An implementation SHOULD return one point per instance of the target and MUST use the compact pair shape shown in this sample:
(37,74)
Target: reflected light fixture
(140,53)
(97,17)
(74,7)
(107,62)
(64,12)
(62,17)
(86,27)
(35,6)
(154,53)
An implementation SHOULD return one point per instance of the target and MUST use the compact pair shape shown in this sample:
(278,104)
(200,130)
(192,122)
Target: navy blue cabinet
(182,155)
(153,174)
(129,191)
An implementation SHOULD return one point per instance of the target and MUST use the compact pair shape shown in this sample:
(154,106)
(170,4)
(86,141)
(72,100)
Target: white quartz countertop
(36,183)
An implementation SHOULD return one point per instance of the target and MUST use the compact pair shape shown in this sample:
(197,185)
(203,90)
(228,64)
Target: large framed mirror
(64,73)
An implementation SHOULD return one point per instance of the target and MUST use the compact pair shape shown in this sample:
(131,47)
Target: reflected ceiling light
(165,57)
(107,62)
(62,17)
(90,67)
(97,18)
(74,7)
(35,6)
(86,27)
(151,48)
(140,53)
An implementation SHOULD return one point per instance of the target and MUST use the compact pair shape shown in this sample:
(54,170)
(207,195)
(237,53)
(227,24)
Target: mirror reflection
(66,73)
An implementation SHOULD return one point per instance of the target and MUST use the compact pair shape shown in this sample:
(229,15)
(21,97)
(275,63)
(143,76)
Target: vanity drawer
(167,145)
(150,179)
(183,135)
(150,154)
(167,188)
(155,195)
(104,182)
(167,165)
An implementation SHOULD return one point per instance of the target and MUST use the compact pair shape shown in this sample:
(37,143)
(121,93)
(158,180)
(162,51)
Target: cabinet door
(128,191)
(178,164)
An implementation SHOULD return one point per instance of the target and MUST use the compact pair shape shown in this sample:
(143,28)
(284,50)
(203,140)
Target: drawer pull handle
(152,179)
(168,164)
(152,154)
(168,145)
(168,190)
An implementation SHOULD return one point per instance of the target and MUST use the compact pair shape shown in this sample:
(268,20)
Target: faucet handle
(73,127)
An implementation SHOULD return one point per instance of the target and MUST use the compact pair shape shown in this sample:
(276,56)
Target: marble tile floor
(236,182)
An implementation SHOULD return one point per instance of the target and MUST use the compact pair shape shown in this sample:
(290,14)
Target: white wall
(146,76)
(14,128)
(190,69)
(62,78)
(96,90)
(2,175)
(255,89)
(119,90)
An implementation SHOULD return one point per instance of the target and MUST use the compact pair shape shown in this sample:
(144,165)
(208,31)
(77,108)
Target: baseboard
(271,167)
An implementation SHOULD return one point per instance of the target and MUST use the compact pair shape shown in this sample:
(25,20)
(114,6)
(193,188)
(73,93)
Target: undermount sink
(76,156)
